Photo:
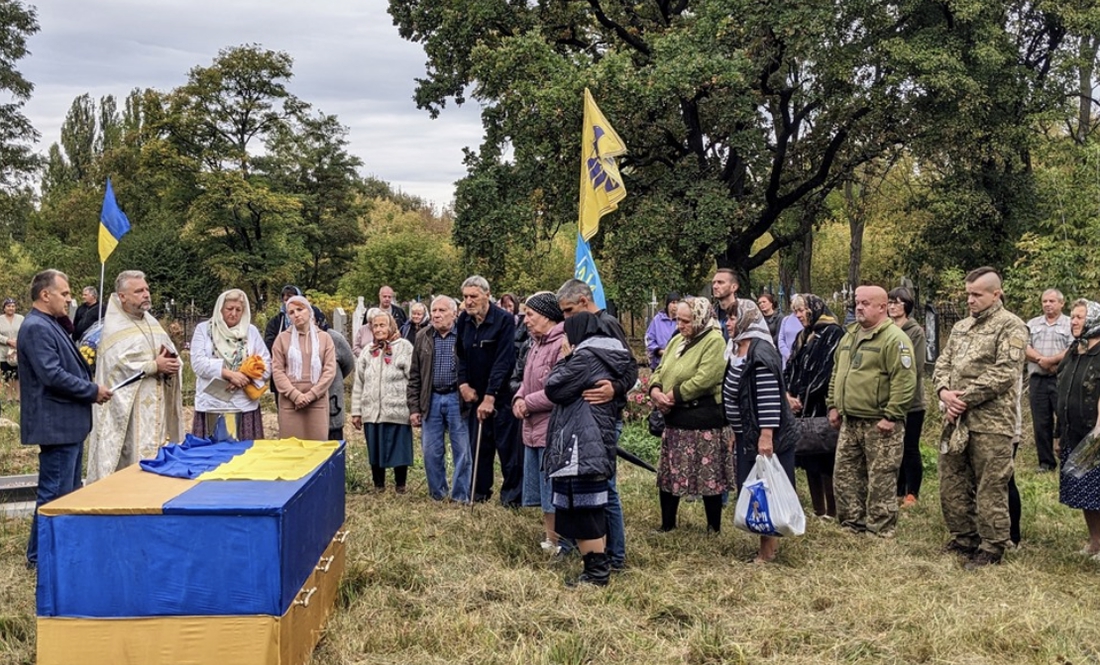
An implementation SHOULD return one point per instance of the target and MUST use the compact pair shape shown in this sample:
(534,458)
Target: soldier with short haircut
(977,378)
(873,382)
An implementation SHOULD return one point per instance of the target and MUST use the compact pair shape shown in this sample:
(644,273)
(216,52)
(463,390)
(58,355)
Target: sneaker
(981,559)
(548,546)
(909,501)
(955,547)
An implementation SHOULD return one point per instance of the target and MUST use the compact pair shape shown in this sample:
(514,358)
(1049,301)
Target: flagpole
(99,301)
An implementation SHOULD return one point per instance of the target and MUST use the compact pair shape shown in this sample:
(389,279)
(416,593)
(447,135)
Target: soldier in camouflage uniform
(873,383)
(977,378)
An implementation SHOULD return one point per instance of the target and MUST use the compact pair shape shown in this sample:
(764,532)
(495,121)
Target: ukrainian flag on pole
(601,189)
(113,224)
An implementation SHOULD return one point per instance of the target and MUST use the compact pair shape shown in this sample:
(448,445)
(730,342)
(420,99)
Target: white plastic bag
(768,504)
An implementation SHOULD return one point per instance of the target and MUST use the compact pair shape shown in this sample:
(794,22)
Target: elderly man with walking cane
(484,335)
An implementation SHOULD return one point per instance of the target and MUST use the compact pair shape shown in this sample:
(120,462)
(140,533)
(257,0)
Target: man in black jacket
(90,311)
(486,357)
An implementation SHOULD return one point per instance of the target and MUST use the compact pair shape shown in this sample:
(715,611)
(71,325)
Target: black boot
(597,570)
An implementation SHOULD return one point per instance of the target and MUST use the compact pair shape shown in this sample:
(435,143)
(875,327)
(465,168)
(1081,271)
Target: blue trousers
(616,530)
(444,415)
(58,475)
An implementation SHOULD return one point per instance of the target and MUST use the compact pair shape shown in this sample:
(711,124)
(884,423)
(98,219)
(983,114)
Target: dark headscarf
(817,309)
(580,327)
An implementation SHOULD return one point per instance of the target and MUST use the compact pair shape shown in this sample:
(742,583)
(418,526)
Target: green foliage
(15,278)
(741,118)
(1060,249)
(410,251)
(17,160)
(307,157)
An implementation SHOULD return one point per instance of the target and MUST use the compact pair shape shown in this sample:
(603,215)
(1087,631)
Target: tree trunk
(1089,44)
(787,262)
(857,221)
(805,260)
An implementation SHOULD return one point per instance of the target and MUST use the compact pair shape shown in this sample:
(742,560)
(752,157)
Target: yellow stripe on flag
(601,185)
(107,243)
(274,459)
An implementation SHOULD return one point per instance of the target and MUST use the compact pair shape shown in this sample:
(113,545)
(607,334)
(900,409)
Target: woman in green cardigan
(687,388)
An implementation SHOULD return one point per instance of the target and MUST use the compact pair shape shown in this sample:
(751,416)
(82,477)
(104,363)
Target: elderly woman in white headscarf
(303,363)
(687,388)
(219,347)
(753,398)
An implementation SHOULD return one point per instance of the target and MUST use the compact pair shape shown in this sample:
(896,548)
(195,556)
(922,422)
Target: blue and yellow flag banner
(113,224)
(601,185)
(586,272)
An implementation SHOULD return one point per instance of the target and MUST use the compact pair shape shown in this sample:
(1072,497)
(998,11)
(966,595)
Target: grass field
(431,583)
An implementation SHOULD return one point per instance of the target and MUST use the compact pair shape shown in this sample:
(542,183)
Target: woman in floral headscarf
(1078,393)
(218,349)
(303,364)
(379,403)
(807,374)
(687,388)
(753,398)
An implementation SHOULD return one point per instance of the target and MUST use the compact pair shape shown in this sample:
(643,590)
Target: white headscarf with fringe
(294,353)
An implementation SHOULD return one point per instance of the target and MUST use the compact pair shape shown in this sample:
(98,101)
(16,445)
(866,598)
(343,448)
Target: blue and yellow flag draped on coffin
(140,544)
(263,459)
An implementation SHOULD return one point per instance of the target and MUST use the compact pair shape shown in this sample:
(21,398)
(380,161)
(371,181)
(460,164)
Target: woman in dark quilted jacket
(580,452)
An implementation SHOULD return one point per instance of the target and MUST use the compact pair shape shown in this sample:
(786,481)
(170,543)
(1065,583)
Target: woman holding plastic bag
(753,397)
(1078,393)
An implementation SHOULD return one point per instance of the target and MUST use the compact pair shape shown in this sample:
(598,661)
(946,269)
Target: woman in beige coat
(303,364)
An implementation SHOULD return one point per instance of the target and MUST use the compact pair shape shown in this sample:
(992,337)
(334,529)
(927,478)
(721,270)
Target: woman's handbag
(816,436)
(656,422)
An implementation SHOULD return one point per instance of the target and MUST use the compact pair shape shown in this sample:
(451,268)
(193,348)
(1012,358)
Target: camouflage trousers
(974,491)
(865,479)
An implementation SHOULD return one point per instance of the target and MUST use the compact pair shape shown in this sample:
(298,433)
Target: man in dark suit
(58,393)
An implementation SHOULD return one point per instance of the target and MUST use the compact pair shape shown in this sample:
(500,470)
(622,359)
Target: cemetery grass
(441,583)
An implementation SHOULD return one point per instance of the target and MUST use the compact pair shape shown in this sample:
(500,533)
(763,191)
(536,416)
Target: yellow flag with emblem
(601,185)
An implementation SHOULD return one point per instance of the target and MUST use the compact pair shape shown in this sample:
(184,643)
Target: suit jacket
(57,389)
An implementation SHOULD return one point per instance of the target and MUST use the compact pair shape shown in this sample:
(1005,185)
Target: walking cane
(477,456)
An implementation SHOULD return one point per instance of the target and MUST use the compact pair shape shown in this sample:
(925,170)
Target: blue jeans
(444,414)
(616,531)
(58,475)
(536,484)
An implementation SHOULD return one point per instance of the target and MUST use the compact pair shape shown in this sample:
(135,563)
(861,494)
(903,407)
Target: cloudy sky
(348,61)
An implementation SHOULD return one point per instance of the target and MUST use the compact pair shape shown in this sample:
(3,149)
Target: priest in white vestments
(147,413)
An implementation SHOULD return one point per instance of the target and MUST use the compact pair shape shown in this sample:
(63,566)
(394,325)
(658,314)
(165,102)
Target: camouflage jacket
(984,358)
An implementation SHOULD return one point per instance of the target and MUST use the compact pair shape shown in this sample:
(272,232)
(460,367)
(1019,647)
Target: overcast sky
(348,61)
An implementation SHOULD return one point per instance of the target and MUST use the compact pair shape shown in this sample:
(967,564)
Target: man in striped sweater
(873,383)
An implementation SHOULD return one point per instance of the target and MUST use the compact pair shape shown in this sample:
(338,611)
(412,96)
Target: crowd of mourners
(541,385)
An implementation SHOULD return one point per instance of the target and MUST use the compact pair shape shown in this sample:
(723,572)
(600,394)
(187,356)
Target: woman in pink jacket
(544,322)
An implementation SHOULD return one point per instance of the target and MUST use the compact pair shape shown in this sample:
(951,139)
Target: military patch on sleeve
(1016,347)
(905,356)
